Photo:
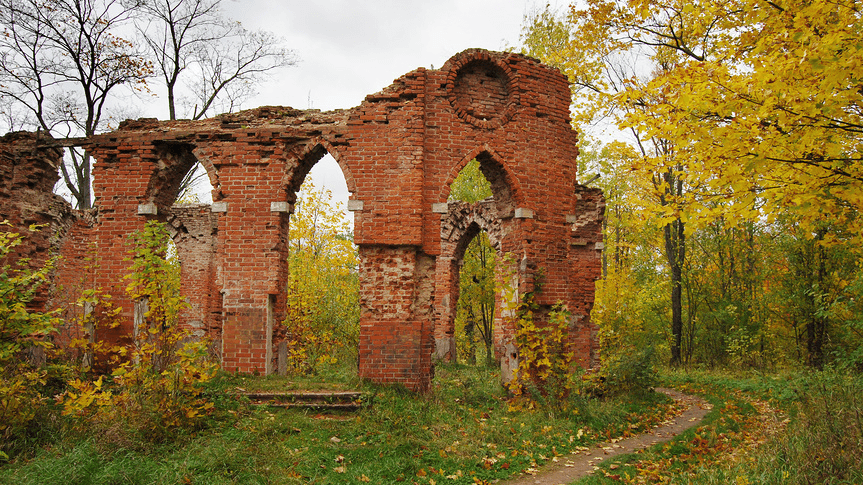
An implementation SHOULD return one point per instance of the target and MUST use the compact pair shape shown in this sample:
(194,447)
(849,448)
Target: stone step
(332,400)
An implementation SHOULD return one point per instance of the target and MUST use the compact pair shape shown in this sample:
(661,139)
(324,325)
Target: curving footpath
(581,463)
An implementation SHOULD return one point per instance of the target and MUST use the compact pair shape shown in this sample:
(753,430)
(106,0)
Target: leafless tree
(215,61)
(60,63)
(208,63)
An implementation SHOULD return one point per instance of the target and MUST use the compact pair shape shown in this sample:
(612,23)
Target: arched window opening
(321,325)
(195,187)
(474,319)
(471,184)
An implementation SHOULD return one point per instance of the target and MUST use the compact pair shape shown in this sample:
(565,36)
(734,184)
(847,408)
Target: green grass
(464,428)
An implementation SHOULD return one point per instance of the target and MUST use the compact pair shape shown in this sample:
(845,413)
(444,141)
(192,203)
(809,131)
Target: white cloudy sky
(351,48)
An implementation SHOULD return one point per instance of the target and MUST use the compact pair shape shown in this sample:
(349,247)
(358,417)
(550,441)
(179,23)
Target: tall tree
(770,94)
(60,64)
(206,61)
(758,103)
(586,45)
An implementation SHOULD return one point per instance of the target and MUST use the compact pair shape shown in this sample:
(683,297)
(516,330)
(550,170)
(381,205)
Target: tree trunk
(675,251)
(816,327)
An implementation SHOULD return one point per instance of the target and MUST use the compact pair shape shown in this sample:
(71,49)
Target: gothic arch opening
(179,194)
(475,304)
(320,329)
(470,241)
(499,184)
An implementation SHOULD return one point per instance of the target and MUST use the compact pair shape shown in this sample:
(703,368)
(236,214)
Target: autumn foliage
(157,388)
(23,334)
(734,189)
(322,321)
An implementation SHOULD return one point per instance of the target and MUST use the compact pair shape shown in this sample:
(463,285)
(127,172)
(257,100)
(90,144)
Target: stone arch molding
(399,150)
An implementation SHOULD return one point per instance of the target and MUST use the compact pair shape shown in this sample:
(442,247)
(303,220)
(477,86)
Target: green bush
(633,371)
(23,343)
(157,390)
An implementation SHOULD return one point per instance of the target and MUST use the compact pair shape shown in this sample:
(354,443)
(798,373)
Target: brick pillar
(120,182)
(396,328)
(505,315)
(252,260)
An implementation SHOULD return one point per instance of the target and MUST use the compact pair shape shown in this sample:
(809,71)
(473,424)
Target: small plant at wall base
(158,388)
(545,362)
(23,333)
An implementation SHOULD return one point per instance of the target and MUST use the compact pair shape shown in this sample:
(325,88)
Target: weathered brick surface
(399,150)
(27,178)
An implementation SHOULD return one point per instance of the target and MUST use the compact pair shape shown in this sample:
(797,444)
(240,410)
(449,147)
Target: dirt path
(581,463)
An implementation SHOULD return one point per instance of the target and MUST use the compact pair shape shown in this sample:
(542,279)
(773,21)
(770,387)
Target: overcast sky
(351,48)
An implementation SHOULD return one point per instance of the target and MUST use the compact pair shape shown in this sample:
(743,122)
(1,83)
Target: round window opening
(481,94)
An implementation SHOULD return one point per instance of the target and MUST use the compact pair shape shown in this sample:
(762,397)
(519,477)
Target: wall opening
(476,257)
(474,322)
(195,187)
(321,324)
(182,194)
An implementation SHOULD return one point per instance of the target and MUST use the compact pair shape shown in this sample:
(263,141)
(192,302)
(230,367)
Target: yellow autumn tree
(322,320)
(766,95)
(601,67)
(761,100)
(740,111)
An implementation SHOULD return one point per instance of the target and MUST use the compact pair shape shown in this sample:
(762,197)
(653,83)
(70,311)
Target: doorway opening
(476,258)
(321,324)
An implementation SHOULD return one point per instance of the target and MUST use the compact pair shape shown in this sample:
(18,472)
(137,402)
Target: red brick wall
(400,150)
(27,179)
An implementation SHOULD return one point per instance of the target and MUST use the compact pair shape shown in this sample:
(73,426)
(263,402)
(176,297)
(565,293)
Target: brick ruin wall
(399,151)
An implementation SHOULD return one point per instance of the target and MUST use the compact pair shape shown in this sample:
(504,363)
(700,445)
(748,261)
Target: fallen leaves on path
(744,424)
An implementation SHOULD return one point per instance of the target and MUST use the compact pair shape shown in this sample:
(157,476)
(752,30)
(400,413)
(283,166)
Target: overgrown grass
(463,430)
(801,428)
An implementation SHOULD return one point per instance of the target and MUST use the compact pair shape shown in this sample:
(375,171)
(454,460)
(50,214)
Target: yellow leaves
(750,98)
(323,288)
(157,388)
(543,359)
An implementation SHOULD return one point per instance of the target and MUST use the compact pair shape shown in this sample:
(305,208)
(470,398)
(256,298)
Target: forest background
(732,226)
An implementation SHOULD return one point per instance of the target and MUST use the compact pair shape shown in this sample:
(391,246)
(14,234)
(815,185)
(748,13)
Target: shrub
(23,337)
(158,388)
(544,358)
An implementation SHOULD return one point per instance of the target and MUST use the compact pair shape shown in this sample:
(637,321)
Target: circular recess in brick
(482,92)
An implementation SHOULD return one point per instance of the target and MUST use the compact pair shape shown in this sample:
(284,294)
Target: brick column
(396,328)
